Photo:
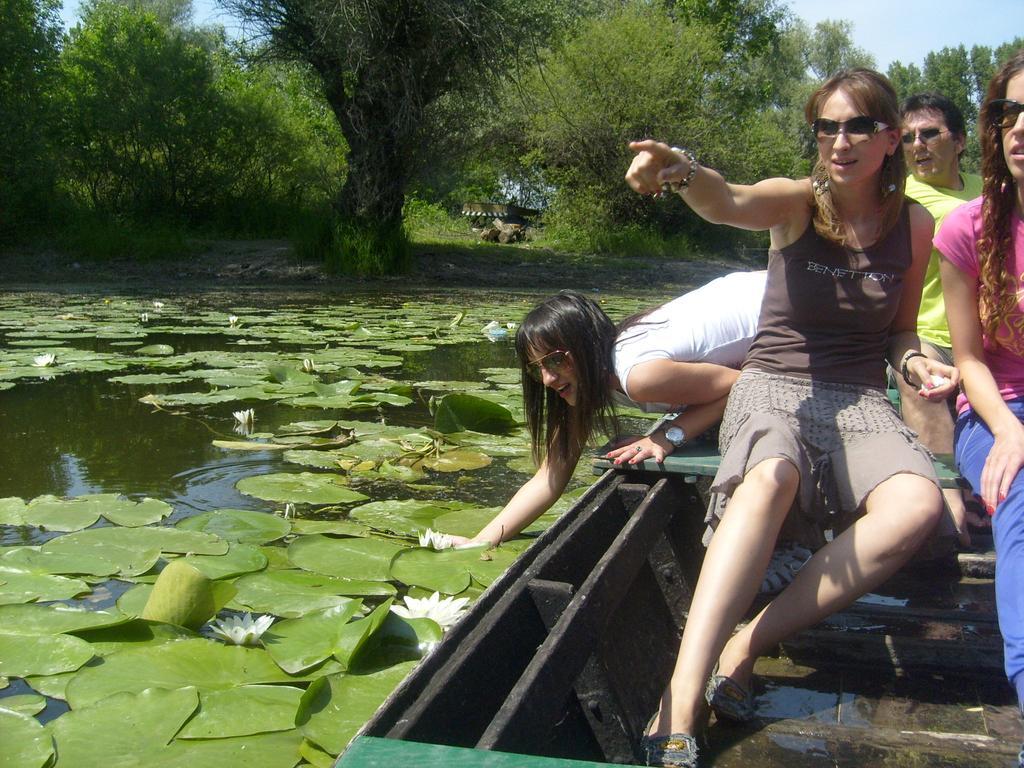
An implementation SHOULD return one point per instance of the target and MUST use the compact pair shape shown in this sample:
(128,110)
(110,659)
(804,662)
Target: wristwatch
(675,435)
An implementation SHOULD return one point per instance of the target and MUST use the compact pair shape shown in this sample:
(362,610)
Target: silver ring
(638,449)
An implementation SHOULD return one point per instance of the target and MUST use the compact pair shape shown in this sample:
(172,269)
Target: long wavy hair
(997,292)
(874,96)
(568,321)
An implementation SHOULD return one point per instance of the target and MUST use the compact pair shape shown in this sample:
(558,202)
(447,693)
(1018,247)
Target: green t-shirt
(931,319)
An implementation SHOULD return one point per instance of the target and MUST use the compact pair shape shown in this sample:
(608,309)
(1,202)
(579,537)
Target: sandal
(729,700)
(786,561)
(677,750)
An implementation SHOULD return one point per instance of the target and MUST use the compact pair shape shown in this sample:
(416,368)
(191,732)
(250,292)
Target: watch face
(675,435)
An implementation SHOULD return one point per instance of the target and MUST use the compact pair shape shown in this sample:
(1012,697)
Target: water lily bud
(181,595)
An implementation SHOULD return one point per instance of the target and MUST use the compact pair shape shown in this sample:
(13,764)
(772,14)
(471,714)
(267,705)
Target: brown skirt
(843,439)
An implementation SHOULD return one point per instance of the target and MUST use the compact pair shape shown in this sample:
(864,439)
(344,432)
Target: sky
(904,30)
(907,30)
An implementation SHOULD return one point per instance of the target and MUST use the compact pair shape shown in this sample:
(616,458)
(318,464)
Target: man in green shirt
(933,141)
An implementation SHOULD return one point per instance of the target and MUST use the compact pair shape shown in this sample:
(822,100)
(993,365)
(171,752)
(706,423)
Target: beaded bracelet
(903,366)
(683,185)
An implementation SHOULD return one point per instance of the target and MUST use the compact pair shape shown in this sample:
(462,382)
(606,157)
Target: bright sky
(907,30)
(888,29)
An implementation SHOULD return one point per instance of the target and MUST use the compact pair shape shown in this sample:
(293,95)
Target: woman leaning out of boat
(982,244)
(808,429)
(576,366)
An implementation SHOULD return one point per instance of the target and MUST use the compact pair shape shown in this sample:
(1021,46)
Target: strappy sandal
(786,561)
(729,700)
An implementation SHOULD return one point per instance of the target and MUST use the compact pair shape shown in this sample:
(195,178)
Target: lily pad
(12,511)
(74,514)
(21,587)
(450,571)
(460,412)
(334,708)
(92,563)
(139,540)
(159,350)
(241,525)
(304,527)
(291,594)
(299,644)
(238,560)
(464,522)
(360,559)
(35,619)
(24,743)
(304,487)
(26,703)
(138,730)
(206,664)
(407,517)
(243,711)
(136,633)
(23,655)
(456,460)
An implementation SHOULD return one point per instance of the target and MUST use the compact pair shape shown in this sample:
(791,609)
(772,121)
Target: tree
(162,122)
(29,39)
(589,96)
(383,63)
(830,48)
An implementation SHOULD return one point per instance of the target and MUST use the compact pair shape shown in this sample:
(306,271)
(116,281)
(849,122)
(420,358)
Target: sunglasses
(861,127)
(552,362)
(926,135)
(1004,112)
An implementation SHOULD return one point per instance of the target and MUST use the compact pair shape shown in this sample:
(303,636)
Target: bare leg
(934,426)
(734,566)
(900,514)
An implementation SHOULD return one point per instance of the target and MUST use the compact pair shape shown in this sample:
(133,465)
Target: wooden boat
(565,656)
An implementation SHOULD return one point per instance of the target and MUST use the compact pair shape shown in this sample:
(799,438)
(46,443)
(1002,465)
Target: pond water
(308,512)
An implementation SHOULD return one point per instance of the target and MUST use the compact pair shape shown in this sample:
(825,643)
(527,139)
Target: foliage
(593,94)
(166,123)
(961,76)
(382,65)
(29,41)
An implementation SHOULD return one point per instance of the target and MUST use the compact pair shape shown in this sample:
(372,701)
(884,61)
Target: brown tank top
(828,309)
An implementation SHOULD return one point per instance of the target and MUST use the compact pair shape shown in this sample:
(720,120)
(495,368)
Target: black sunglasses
(1004,112)
(552,362)
(861,126)
(926,135)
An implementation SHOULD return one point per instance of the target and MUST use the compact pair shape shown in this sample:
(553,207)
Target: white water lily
(232,320)
(144,317)
(289,511)
(445,612)
(244,421)
(158,305)
(45,360)
(436,540)
(511,326)
(241,630)
(308,365)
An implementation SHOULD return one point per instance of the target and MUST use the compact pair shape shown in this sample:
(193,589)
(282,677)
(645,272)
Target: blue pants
(972,442)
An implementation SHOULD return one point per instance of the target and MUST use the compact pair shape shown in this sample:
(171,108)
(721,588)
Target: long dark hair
(997,294)
(874,96)
(576,324)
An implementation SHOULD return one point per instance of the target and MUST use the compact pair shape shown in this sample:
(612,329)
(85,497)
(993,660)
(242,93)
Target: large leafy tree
(29,40)
(383,63)
(594,93)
